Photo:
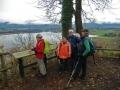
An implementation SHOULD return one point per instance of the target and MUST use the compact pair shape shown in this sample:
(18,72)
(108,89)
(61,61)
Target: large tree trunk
(66,20)
(78,16)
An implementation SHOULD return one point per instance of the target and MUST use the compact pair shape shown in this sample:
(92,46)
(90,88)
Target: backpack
(46,47)
(92,48)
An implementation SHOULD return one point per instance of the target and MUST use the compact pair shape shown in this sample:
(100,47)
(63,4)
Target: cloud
(19,11)
(24,11)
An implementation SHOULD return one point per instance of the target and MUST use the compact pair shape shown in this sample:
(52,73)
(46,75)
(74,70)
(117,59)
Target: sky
(24,11)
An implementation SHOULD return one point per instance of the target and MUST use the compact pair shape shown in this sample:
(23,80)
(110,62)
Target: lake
(50,36)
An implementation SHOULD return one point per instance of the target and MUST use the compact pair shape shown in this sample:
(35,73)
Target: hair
(64,37)
(38,36)
(77,34)
(70,30)
(85,30)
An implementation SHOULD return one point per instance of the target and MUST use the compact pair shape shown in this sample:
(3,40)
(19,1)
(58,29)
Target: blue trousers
(80,65)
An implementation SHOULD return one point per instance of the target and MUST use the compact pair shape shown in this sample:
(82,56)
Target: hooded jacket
(73,42)
(64,50)
(84,46)
(39,49)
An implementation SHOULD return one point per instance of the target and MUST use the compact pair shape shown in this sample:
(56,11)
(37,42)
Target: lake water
(50,36)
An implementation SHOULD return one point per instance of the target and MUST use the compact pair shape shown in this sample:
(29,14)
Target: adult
(39,53)
(83,50)
(64,53)
(73,42)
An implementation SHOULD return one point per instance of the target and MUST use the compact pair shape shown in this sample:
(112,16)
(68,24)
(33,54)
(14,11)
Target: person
(39,53)
(77,35)
(83,50)
(63,52)
(73,42)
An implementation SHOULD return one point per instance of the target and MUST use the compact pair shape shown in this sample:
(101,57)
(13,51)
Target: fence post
(4,72)
(21,68)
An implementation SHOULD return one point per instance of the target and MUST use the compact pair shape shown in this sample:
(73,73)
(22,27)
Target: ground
(104,75)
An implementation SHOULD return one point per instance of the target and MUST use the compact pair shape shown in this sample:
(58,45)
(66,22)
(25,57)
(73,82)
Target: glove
(80,55)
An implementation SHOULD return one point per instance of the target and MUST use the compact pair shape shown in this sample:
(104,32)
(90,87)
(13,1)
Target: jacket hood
(84,36)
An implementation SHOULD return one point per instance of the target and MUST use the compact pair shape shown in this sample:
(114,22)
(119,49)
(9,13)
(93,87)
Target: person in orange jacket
(64,53)
(39,54)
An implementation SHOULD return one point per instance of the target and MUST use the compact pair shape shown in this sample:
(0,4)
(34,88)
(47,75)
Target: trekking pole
(94,59)
(72,74)
(59,62)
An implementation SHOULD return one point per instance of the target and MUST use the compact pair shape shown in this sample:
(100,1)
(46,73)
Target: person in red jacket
(39,54)
(63,52)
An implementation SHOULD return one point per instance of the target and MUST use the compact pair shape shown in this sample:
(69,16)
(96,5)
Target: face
(83,33)
(70,33)
(64,39)
(37,38)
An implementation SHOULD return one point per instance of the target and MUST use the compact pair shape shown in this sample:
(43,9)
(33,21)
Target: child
(63,52)
(39,53)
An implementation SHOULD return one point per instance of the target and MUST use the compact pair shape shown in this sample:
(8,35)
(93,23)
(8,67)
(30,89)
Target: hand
(29,50)
(79,54)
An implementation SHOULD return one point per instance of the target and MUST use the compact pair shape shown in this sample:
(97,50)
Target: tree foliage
(66,18)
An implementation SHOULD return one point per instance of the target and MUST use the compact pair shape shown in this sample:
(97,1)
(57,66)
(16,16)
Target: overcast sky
(19,11)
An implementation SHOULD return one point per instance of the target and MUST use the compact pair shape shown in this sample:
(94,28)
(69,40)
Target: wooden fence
(21,67)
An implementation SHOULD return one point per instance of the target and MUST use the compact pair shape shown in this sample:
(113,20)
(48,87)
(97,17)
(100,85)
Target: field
(100,34)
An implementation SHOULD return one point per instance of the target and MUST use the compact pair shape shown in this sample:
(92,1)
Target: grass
(101,36)
(101,32)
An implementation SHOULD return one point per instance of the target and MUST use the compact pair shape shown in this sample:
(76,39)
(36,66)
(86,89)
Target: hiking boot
(81,78)
(65,72)
(72,79)
(40,75)
(60,72)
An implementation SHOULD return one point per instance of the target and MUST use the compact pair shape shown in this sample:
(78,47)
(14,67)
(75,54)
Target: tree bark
(78,16)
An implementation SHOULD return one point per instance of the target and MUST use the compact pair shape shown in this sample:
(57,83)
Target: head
(64,39)
(38,36)
(70,32)
(77,35)
(84,32)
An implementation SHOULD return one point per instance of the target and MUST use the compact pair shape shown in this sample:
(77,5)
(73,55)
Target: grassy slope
(100,34)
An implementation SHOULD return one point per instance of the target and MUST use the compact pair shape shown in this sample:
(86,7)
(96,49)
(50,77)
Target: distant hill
(102,25)
(6,26)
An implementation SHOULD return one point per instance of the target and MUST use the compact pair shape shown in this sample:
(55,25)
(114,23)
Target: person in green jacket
(83,51)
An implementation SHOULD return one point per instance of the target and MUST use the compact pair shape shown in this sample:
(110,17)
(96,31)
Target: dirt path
(105,75)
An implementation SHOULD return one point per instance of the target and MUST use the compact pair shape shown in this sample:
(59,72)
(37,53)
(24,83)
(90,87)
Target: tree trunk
(66,19)
(78,16)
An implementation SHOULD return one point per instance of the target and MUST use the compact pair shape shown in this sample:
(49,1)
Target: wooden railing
(20,55)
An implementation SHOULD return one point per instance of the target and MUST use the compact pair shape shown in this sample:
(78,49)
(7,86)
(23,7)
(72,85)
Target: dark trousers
(73,60)
(63,64)
(81,65)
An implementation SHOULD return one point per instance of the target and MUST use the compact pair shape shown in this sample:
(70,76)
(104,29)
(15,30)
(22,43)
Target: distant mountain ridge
(6,25)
